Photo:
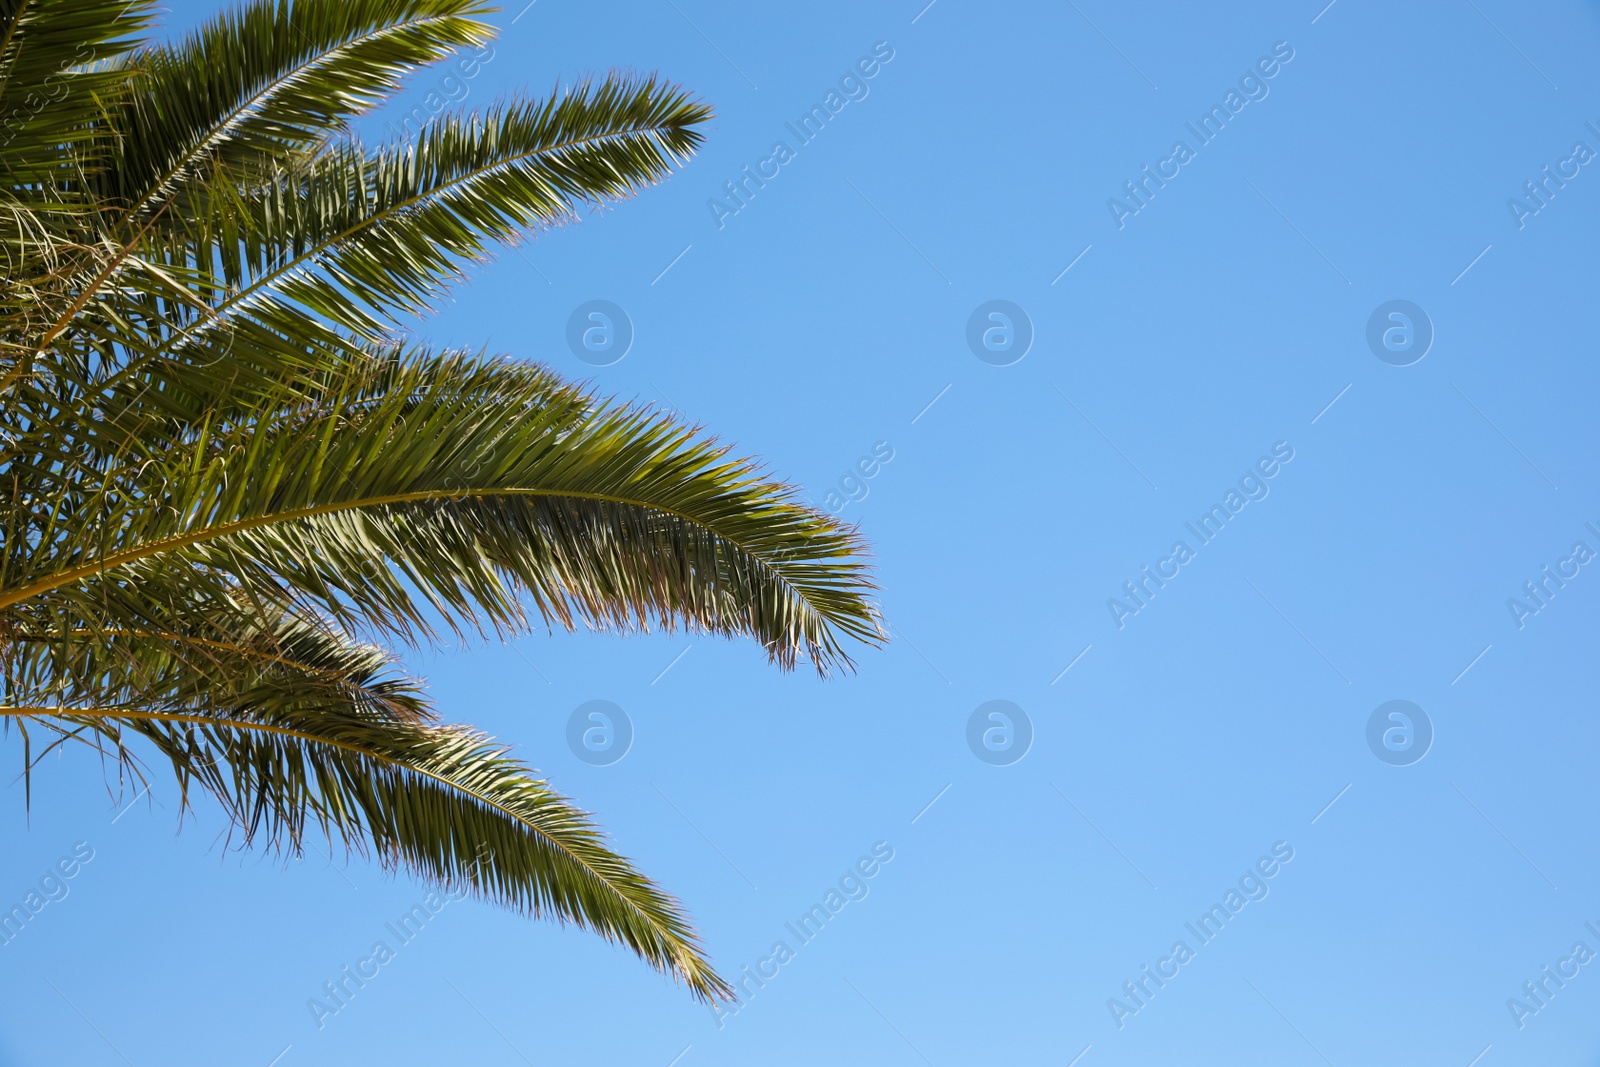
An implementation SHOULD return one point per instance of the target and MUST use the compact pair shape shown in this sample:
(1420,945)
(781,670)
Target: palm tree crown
(229,484)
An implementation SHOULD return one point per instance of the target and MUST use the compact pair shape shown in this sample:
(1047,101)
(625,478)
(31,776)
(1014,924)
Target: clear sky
(1396,481)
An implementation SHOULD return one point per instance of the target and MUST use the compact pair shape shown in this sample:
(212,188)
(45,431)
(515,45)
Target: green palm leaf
(350,236)
(227,488)
(478,480)
(293,725)
(259,85)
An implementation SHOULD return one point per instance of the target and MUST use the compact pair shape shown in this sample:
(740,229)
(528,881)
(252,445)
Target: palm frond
(290,725)
(479,482)
(269,80)
(224,477)
(57,78)
(444,803)
(354,237)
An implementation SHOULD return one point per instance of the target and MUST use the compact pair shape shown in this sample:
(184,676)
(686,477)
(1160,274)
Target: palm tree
(230,487)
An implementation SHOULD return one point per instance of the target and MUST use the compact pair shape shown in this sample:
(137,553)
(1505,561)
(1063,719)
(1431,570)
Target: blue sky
(824,327)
